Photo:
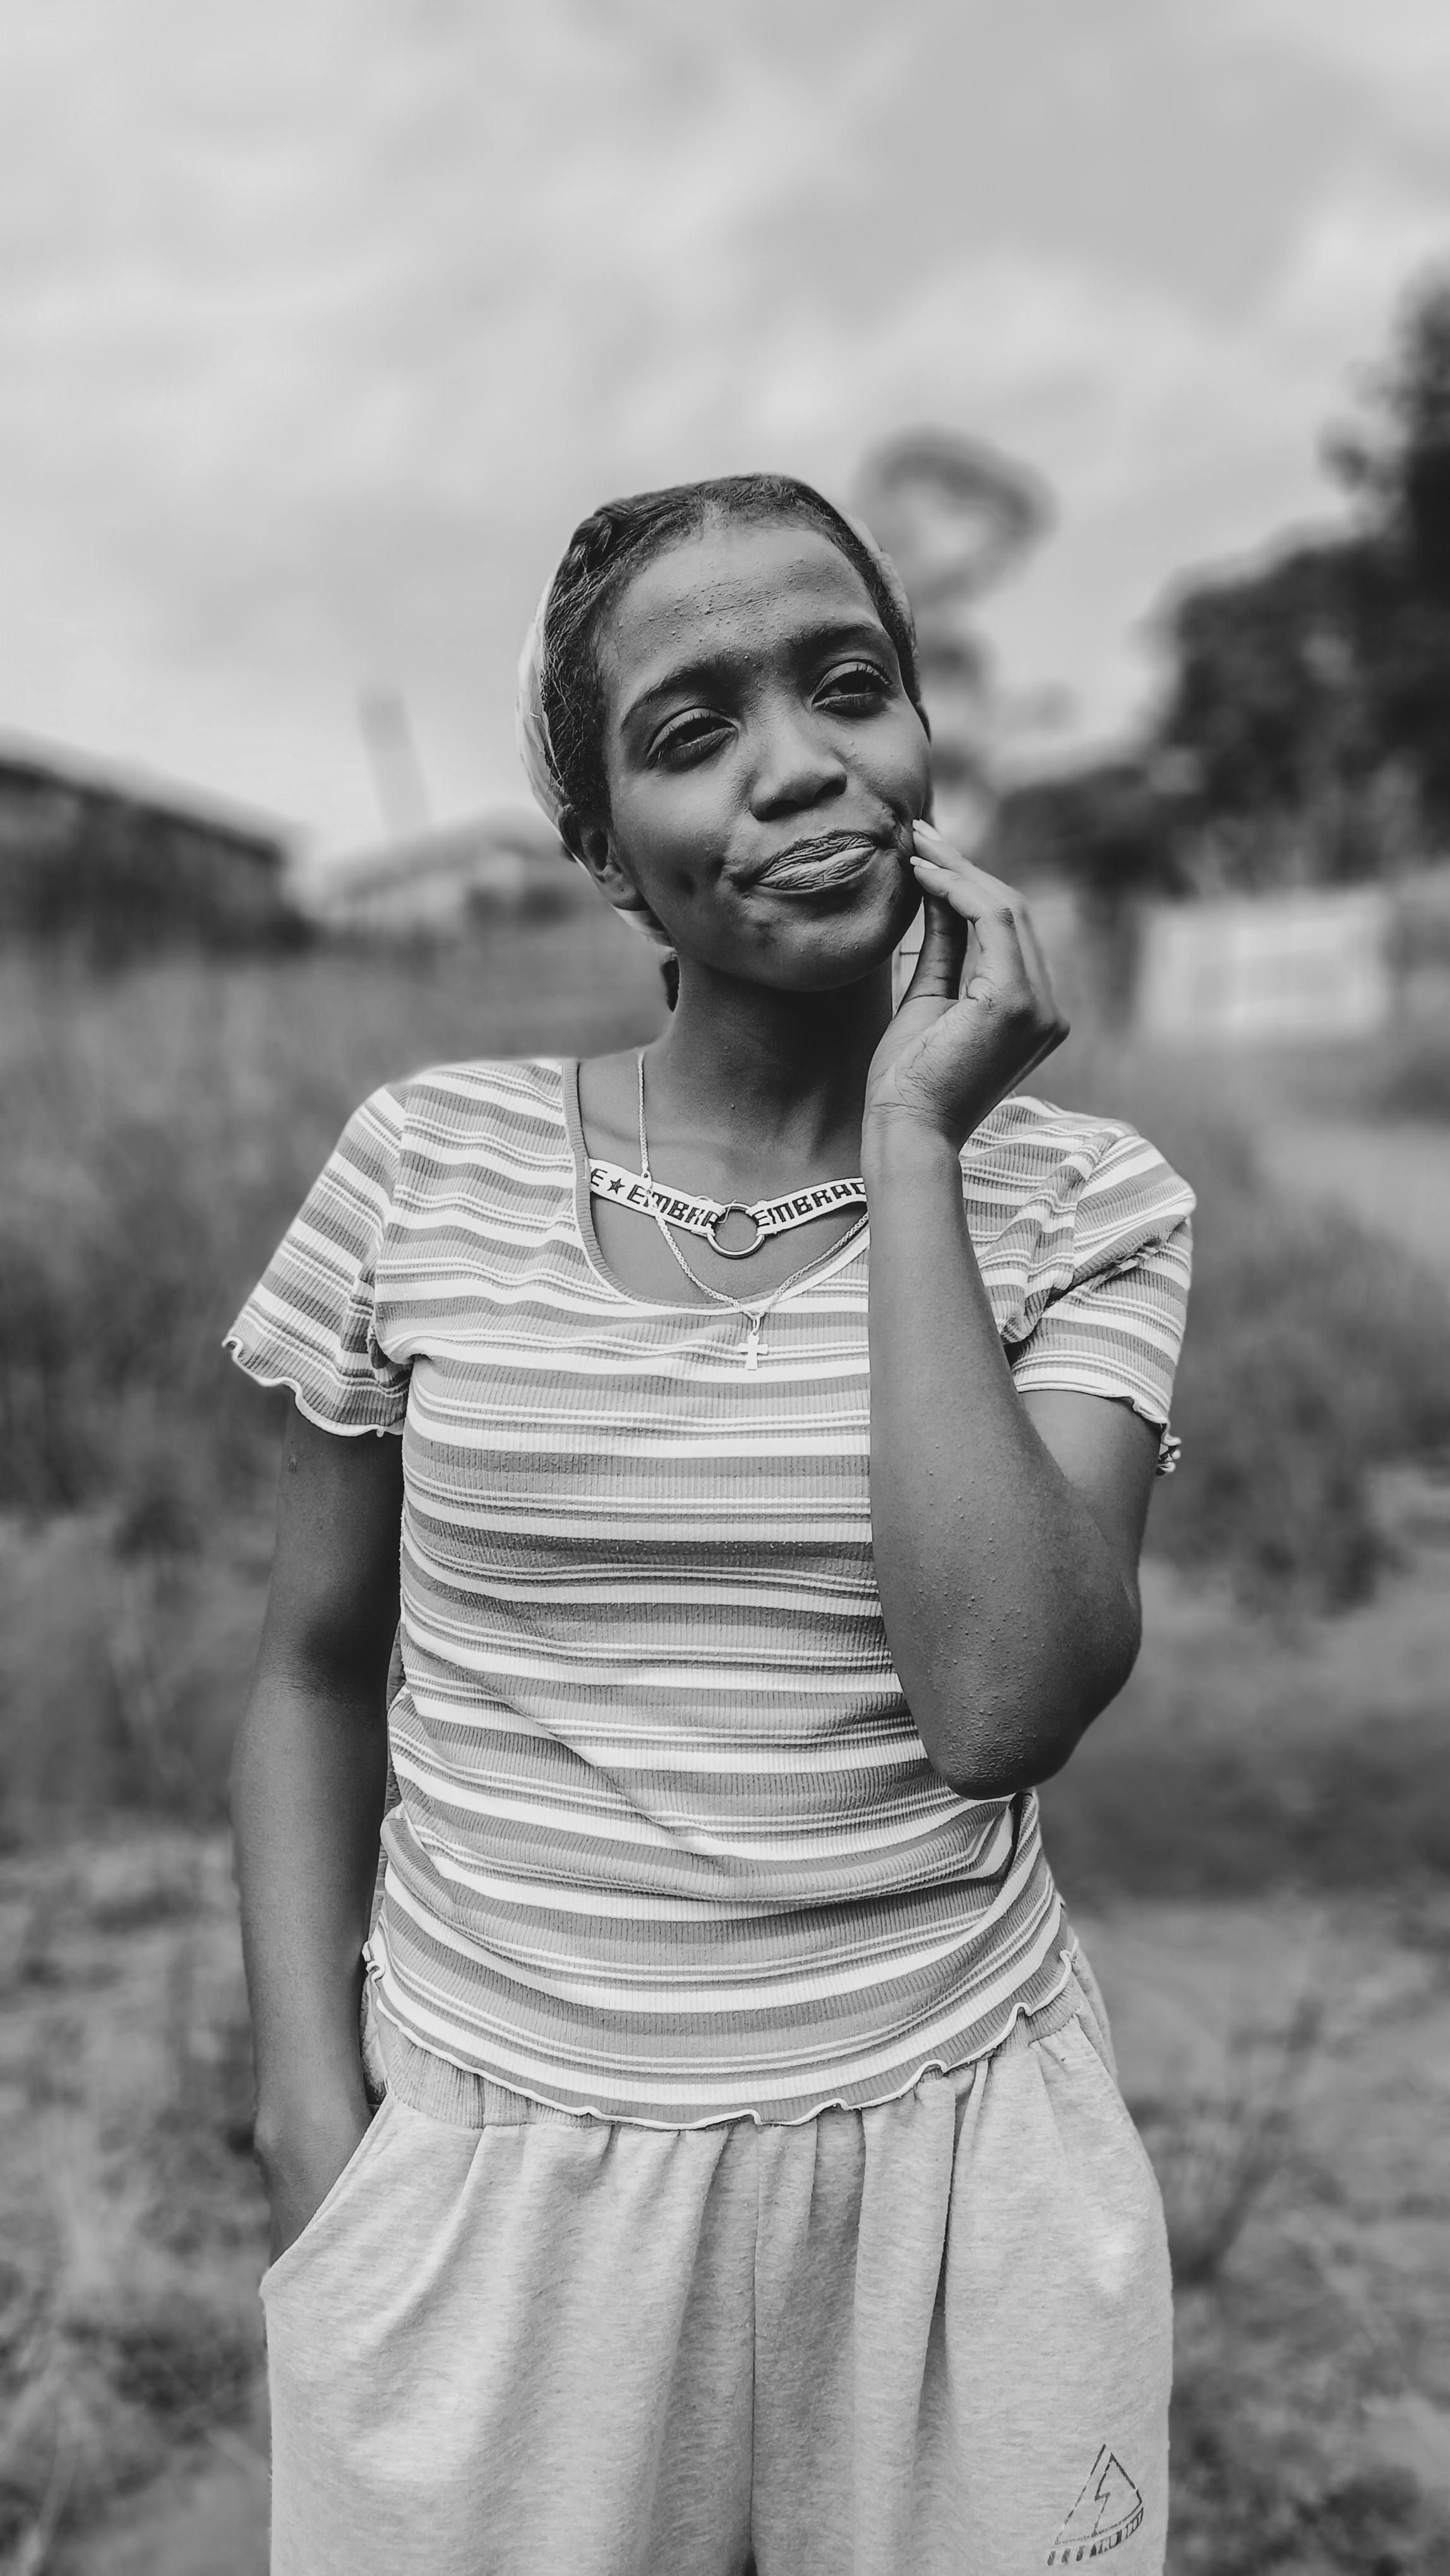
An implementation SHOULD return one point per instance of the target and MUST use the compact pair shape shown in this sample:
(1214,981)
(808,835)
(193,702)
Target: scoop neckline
(589,1240)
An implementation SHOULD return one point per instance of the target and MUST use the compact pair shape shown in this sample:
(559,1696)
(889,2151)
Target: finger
(1052,1029)
(1052,1037)
(1006,970)
(1005,961)
(973,895)
(935,846)
(934,843)
(1055,1024)
(943,948)
(1037,961)
(990,908)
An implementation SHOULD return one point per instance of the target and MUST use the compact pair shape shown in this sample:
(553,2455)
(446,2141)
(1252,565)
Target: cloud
(321,326)
(1399,48)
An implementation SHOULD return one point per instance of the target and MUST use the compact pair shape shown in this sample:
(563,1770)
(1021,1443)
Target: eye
(855,686)
(689,738)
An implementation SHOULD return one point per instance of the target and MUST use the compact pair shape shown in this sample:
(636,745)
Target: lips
(815,866)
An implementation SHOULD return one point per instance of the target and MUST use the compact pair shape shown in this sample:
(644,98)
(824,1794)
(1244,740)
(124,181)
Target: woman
(751,2185)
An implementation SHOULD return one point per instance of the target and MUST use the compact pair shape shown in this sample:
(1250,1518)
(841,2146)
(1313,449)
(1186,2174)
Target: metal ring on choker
(727,1252)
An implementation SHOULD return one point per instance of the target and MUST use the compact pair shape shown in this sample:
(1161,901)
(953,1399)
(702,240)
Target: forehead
(733,587)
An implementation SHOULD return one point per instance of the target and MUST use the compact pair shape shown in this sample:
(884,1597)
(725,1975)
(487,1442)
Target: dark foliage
(1107,829)
(1312,688)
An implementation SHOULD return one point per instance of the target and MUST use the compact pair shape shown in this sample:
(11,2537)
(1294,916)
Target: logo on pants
(1107,2513)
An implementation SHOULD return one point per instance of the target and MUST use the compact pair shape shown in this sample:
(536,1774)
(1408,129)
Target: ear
(592,844)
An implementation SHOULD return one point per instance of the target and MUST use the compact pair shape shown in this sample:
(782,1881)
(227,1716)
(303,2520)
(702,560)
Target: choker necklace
(703,1216)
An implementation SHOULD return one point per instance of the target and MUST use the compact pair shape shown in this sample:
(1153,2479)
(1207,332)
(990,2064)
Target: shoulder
(478,1103)
(424,1133)
(481,1091)
(1070,1176)
(1031,1153)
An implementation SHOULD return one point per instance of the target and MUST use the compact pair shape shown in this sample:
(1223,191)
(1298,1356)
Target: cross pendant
(752,1342)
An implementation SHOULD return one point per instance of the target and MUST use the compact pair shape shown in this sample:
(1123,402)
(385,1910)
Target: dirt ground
(1289,2064)
(1302,2159)
(1286,2050)
(131,2238)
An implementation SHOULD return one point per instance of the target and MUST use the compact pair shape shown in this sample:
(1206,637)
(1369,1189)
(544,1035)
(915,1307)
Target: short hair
(614,543)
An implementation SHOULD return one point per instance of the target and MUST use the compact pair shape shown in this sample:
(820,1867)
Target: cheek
(897,758)
(920,762)
(671,835)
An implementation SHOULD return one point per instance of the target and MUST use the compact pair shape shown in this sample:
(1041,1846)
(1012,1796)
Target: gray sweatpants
(930,2336)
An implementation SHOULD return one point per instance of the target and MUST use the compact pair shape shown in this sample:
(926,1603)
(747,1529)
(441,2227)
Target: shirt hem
(236,1350)
(415,2072)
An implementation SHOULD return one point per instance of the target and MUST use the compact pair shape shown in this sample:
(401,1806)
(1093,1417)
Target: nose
(797,765)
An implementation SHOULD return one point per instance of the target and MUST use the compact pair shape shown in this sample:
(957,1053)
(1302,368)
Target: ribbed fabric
(443,2091)
(668,1846)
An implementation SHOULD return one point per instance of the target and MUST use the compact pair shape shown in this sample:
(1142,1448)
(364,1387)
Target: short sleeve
(310,1323)
(1116,1327)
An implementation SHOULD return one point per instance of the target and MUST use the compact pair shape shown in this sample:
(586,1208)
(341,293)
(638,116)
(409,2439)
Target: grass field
(1254,1839)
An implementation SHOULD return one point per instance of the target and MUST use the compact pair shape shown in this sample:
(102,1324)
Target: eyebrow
(713,667)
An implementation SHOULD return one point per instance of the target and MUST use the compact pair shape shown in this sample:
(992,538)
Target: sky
(321,324)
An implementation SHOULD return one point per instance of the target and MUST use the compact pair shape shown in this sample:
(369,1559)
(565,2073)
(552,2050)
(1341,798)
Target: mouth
(827,860)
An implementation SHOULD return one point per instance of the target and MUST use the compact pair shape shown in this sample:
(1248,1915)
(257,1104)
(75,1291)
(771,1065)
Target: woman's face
(765,764)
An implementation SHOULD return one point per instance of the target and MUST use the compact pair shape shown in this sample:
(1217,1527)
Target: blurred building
(444,876)
(1267,969)
(93,853)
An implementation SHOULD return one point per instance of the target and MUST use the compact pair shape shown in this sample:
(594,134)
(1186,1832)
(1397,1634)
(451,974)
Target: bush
(1416,1080)
(1317,1354)
(158,1130)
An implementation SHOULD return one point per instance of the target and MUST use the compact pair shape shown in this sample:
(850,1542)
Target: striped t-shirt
(668,1847)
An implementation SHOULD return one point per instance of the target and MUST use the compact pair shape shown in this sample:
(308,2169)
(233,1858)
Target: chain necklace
(754,1315)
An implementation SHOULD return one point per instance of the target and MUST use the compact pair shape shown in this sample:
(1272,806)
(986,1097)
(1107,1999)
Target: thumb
(938,973)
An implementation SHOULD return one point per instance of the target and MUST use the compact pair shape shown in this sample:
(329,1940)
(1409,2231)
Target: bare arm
(1006,1531)
(308,1781)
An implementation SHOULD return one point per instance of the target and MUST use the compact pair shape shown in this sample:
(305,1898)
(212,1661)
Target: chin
(834,954)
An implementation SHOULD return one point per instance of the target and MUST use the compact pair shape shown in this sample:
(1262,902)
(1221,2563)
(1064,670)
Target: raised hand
(979,1012)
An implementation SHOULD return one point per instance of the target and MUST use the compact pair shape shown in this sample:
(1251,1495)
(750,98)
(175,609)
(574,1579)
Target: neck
(766,1070)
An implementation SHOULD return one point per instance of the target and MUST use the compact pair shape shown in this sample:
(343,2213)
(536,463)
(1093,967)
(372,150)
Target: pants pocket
(1096,2015)
(325,2217)
(1078,2049)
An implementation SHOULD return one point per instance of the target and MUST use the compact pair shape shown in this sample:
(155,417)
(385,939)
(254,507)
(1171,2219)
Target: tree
(1309,700)
(1106,830)
(956,518)
(1397,466)
(1273,716)
(1397,463)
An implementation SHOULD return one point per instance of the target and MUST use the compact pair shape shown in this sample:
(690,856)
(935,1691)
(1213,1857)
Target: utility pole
(398,780)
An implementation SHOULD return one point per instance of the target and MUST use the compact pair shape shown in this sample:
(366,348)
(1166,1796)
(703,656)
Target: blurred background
(1127,326)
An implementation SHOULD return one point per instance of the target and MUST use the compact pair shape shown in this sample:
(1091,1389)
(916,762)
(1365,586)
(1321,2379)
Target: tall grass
(157,1131)
(156,1134)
